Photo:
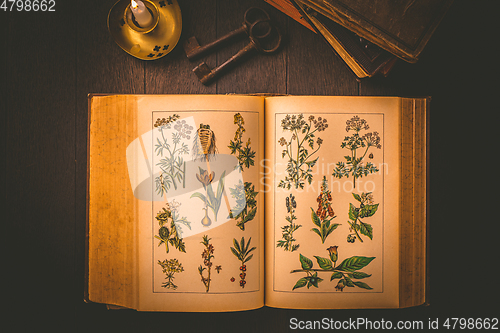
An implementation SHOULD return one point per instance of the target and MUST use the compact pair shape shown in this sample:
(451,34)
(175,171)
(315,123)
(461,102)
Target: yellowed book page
(187,181)
(111,233)
(332,232)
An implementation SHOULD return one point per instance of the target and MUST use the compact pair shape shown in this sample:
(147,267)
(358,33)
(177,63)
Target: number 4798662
(471,323)
(28,5)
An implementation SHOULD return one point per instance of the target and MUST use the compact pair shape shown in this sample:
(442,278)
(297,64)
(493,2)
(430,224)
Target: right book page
(332,202)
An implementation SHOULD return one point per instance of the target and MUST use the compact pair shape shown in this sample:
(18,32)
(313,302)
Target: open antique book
(234,202)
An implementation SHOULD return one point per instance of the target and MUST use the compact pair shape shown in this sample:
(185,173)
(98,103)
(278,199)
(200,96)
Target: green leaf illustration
(302,282)
(362,285)
(306,263)
(357,197)
(353,215)
(242,245)
(348,281)
(236,245)
(220,187)
(330,229)
(324,263)
(316,231)
(346,272)
(359,275)
(368,210)
(198,195)
(366,229)
(235,253)
(250,215)
(354,263)
(315,218)
(211,195)
(241,250)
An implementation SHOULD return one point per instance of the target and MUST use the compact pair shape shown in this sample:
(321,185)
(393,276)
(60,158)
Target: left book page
(174,203)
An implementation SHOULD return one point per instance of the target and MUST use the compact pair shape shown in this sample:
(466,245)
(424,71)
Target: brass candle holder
(146,43)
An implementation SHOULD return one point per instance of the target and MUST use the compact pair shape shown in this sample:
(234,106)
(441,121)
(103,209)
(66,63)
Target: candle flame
(133,4)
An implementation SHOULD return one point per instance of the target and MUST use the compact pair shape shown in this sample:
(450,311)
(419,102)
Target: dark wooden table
(51,61)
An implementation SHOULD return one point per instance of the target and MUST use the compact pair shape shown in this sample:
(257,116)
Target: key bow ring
(264,37)
(271,42)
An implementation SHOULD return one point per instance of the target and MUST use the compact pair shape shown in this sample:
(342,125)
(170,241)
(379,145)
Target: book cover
(362,57)
(402,28)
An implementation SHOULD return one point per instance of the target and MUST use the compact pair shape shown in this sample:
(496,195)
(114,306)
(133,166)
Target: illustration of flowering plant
(354,163)
(324,215)
(365,209)
(246,204)
(287,231)
(212,200)
(243,152)
(242,252)
(167,217)
(170,267)
(347,271)
(207,255)
(172,164)
(300,162)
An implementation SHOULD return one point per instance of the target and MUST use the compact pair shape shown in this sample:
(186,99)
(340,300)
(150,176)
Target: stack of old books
(370,35)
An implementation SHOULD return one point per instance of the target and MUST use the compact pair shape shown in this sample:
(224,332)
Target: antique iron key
(207,75)
(194,50)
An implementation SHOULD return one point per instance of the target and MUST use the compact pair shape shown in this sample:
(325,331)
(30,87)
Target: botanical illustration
(324,215)
(170,231)
(347,272)
(287,241)
(204,146)
(207,255)
(300,149)
(171,164)
(211,199)
(243,152)
(242,252)
(359,146)
(170,267)
(366,209)
(246,204)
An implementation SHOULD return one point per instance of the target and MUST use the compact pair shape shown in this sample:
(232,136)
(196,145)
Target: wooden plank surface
(259,73)
(39,195)
(172,74)
(313,68)
(51,61)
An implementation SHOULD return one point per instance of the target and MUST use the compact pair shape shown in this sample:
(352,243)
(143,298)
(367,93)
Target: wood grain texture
(173,74)
(40,170)
(53,60)
(313,68)
(259,73)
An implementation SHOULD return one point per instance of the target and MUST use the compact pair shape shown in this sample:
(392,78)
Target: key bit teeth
(202,71)
(190,45)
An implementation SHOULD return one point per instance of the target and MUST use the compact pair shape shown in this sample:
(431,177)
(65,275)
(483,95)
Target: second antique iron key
(207,75)
(194,50)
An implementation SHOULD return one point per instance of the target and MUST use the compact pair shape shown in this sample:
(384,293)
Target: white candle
(141,13)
